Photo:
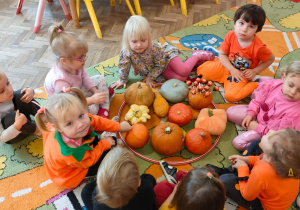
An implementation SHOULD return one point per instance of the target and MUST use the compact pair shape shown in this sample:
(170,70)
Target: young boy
(242,55)
(15,110)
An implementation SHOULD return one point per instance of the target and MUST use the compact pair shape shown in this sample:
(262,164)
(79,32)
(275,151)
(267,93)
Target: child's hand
(249,74)
(252,126)
(238,163)
(233,158)
(20,120)
(125,126)
(28,95)
(150,82)
(111,141)
(235,73)
(246,121)
(99,97)
(118,84)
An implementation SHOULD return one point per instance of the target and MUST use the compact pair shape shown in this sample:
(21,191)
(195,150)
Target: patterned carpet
(22,173)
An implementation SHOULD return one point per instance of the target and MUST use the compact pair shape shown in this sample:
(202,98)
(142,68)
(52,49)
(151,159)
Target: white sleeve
(8,133)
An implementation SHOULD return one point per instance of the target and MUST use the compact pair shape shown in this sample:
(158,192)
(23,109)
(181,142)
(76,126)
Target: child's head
(117,178)
(66,45)
(6,90)
(251,13)
(291,81)
(67,112)
(199,189)
(282,149)
(136,35)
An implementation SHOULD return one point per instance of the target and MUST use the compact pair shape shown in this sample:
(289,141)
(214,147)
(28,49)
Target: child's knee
(242,141)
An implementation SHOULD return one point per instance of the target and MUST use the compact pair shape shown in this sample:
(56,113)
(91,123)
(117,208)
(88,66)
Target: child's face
(265,140)
(76,124)
(137,44)
(71,65)
(244,31)
(6,90)
(291,87)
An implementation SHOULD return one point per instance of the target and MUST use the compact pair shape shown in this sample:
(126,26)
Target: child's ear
(283,77)
(62,60)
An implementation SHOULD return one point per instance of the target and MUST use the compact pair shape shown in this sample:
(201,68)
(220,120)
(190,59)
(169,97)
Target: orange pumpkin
(167,138)
(212,120)
(198,141)
(198,99)
(139,93)
(138,136)
(180,114)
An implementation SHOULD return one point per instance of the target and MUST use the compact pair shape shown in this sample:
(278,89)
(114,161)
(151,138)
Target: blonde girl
(72,149)
(68,71)
(153,61)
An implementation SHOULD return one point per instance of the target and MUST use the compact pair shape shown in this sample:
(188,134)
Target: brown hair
(198,191)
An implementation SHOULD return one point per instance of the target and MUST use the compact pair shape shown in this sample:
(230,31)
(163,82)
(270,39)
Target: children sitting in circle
(16,106)
(70,52)
(72,150)
(242,55)
(275,106)
(153,61)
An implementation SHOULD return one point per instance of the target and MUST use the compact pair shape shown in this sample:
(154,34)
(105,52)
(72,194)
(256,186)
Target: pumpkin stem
(210,112)
(139,85)
(178,112)
(168,130)
(175,85)
(202,134)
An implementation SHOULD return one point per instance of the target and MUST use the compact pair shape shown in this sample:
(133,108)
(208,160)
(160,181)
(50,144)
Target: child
(242,55)
(275,106)
(274,179)
(198,189)
(15,110)
(70,53)
(73,151)
(153,61)
(118,184)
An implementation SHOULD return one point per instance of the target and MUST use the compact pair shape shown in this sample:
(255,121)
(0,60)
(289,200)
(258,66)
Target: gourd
(137,137)
(174,90)
(212,120)
(198,141)
(167,138)
(139,93)
(137,114)
(198,99)
(180,114)
(160,104)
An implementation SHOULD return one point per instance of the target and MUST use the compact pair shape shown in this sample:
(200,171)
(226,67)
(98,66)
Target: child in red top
(72,150)
(242,55)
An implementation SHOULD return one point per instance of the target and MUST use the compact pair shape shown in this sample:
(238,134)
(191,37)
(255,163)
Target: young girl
(72,149)
(198,189)
(70,52)
(119,185)
(273,182)
(275,106)
(153,61)
(15,110)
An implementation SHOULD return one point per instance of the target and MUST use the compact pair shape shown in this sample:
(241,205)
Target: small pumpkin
(181,114)
(212,120)
(137,114)
(198,99)
(174,90)
(139,93)
(138,136)
(167,138)
(198,141)
(160,105)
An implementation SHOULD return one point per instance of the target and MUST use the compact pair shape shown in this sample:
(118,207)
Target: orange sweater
(274,192)
(67,166)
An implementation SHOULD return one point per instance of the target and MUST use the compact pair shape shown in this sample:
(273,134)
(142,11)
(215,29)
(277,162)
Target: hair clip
(291,172)
(59,30)
(41,110)
(209,175)
(56,56)
(66,90)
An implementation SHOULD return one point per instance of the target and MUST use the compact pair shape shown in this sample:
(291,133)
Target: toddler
(118,184)
(16,106)
(153,61)
(275,106)
(72,150)
(242,55)
(70,52)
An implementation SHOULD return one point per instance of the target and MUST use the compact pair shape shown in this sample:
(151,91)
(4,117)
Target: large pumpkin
(174,90)
(167,138)
(138,136)
(198,141)
(139,93)
(212,120)
(198,99)
(180,114)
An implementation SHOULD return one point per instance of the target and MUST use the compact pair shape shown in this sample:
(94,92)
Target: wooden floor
(26,57)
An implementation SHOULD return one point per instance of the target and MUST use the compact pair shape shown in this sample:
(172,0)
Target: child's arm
(124,64)
(234,158)
(28,95)
(98,97)
(124,126)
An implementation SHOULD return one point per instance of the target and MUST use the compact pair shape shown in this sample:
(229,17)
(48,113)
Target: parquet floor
(26,57)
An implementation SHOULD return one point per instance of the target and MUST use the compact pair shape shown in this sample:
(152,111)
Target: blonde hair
(58,106)
(66,43)
(117,178)
(139,26)
(293,68)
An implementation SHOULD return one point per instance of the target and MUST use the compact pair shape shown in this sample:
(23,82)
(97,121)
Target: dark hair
(198,191)
(251,13)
